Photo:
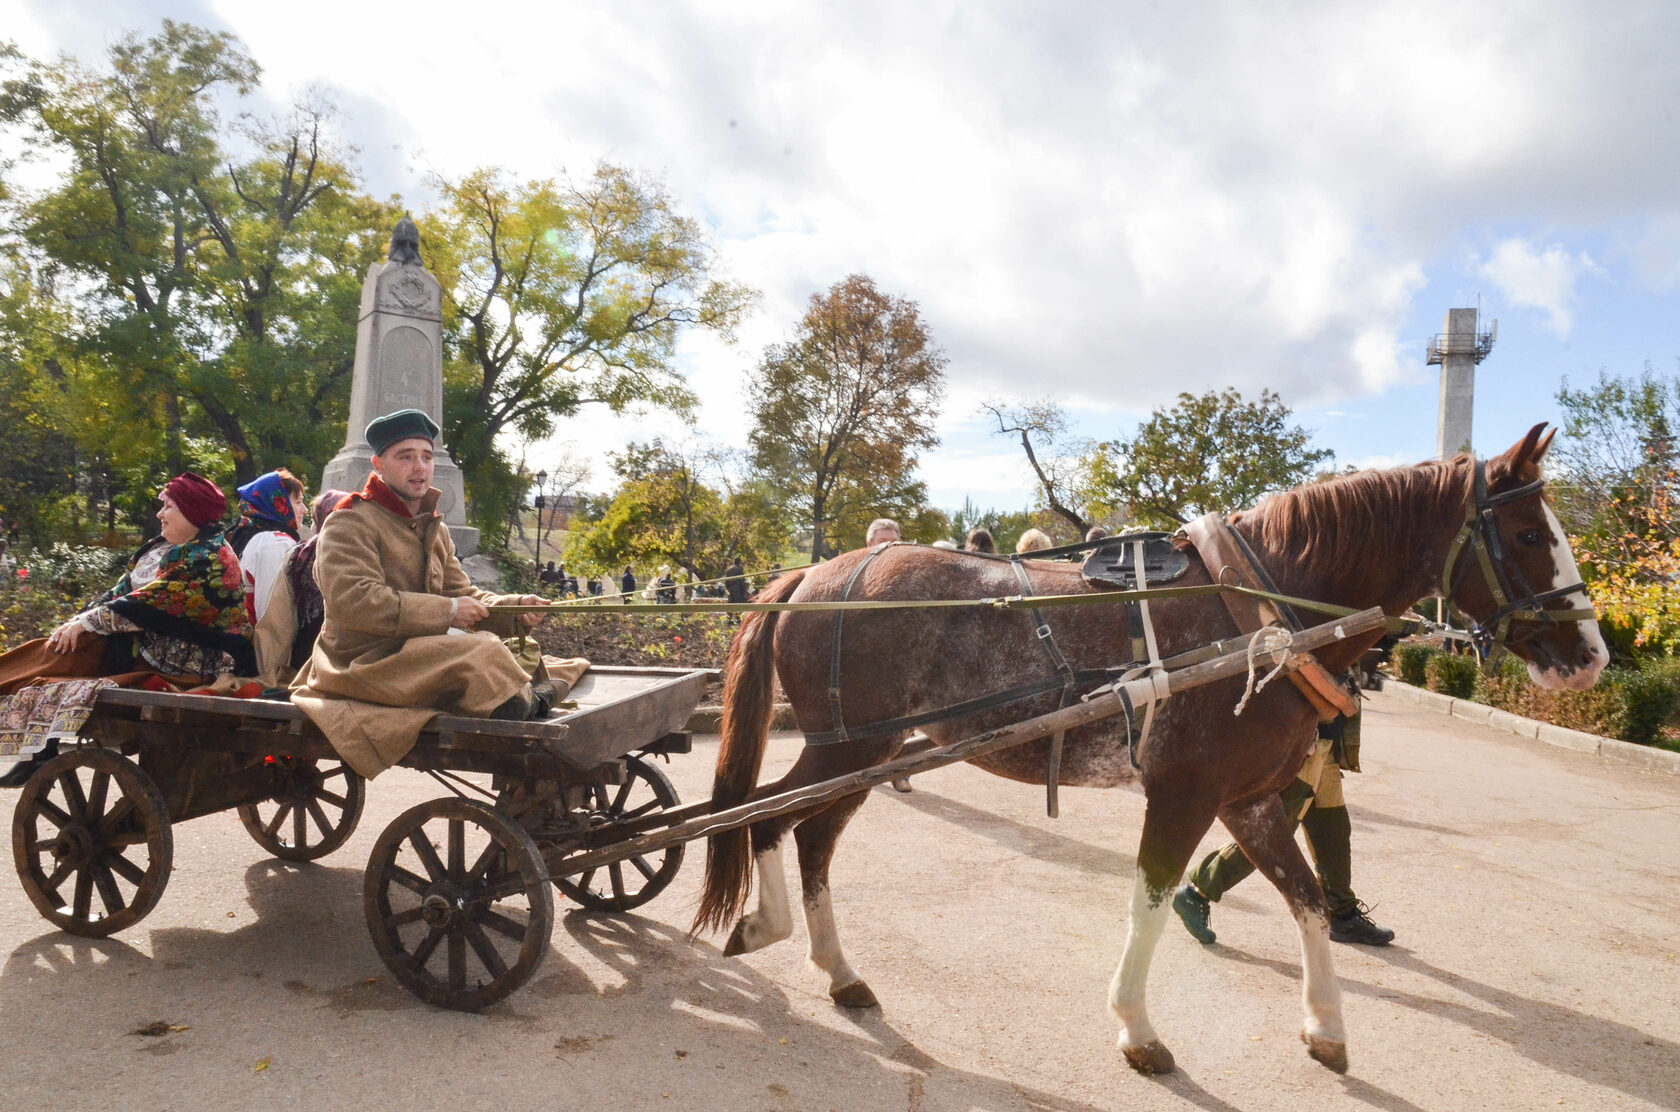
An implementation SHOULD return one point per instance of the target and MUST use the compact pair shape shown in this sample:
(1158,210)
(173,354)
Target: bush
(1410,660)
(1452,674)
(1649,698)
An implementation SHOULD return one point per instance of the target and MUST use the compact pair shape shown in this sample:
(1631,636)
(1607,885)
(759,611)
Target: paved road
(1534,891)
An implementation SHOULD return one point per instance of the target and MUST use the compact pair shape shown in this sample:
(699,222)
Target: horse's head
(1512,573)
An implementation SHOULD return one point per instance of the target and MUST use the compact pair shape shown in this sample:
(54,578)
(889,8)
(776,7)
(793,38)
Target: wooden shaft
(1103,706)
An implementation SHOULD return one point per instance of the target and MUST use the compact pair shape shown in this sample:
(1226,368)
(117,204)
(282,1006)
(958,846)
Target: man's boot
(1197,913)
(516,708)
(1355,926)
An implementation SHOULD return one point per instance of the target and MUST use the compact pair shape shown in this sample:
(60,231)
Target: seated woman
(269,507)
(179,612)
(292,613)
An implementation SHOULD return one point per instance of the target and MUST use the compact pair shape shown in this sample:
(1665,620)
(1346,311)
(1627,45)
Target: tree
(664,511)
(1209,452)
(841,411)
(1617,492)
(560,295)
(216,287)
(1057,459)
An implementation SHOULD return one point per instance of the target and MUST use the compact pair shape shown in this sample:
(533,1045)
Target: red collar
(375,491)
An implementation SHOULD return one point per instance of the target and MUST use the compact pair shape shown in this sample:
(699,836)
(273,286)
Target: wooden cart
(457,893)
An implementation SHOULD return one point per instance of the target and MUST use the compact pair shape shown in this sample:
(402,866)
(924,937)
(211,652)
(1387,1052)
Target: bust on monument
(399,365)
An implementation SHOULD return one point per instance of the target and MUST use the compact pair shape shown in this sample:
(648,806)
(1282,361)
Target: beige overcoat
(386,662)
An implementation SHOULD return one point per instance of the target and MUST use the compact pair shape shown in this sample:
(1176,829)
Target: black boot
(18,775)
(543,697)
(1354,925)
(1197,913)
(517,708)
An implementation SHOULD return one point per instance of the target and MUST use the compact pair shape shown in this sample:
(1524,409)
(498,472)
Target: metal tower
(1458,350)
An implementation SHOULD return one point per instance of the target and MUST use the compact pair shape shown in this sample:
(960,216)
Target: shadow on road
(1590,1047)
(1029,841)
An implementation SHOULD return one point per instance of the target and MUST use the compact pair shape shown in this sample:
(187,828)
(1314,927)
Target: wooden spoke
(280,814)
(322,823)
(501,924)
(456,903)
(486,950)
(92,818)
(645,791)
(125,868)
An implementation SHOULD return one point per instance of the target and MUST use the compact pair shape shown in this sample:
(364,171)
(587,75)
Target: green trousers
(1329,840)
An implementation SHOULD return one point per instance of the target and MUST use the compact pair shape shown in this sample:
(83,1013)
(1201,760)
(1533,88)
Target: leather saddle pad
(1113,565)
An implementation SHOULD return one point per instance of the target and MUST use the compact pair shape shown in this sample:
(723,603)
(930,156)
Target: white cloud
(1543,279)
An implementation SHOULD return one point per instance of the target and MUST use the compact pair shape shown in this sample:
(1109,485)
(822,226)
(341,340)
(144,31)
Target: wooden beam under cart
(1108,705)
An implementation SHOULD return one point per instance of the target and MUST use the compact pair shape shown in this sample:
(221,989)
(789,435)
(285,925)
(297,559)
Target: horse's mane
(1350,520)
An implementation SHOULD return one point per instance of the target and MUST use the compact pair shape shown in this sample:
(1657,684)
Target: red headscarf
(199,500)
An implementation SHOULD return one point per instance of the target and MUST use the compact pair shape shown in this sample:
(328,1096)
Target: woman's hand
(65,638)
(530,620)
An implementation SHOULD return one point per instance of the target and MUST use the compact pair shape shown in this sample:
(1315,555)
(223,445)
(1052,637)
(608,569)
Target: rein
(1514,599)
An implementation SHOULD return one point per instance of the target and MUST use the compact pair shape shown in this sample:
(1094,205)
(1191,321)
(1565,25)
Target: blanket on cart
(46,712)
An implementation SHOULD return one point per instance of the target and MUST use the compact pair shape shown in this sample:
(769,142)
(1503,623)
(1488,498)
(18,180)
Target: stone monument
(399,365)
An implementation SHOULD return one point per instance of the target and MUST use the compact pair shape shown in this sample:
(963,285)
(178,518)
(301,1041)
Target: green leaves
(1213,452)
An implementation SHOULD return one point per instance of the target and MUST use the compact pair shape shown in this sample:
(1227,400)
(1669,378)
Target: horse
(1374,538)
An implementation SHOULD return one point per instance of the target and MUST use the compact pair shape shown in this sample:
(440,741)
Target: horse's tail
(748,694)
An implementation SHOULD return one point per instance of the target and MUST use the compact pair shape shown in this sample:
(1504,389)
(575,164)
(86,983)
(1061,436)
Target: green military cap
(382,432)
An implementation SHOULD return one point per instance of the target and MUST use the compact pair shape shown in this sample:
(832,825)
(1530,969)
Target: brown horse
(1377,538)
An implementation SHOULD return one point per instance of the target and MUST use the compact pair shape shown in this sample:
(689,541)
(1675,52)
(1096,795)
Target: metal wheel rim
(68,833)
(630,883)
(312,801)
(448,928)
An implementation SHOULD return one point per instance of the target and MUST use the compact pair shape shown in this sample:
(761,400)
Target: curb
(1640,756)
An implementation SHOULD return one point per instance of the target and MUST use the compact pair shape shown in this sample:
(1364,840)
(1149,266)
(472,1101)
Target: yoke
(1113,566)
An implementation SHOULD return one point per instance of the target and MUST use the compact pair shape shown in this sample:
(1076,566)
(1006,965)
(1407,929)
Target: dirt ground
(1534,892)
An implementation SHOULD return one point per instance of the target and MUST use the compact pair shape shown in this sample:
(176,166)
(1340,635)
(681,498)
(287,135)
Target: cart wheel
(463,928)
(635,880)
(71,839)
(323,804)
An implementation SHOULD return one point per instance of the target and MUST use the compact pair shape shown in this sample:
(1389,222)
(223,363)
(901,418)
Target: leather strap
(1229,560)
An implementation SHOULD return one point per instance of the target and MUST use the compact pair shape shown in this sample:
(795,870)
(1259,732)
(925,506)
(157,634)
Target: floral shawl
(197,597)
(263,508)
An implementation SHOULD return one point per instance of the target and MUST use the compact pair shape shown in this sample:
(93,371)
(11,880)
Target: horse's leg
(816,837)
(1173,823)
(1264,833)
(773,921)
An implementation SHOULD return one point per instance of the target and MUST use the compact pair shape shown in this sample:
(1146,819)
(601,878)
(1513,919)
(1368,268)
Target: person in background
(1097,533)
(979,540)
(292,615)
(883,530)
(269,508)
(1033,540)
(665,588)
(942,542)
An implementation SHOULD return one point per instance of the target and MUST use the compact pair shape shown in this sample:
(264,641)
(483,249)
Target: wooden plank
(1068,718)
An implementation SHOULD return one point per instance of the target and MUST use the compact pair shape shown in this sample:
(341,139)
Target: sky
(1101,204)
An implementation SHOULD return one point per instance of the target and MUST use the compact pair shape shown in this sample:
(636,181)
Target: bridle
(1515,600)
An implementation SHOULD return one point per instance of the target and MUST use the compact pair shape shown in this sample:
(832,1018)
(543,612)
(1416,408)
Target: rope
(1276,642)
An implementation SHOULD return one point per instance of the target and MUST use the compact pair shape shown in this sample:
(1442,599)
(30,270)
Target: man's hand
(530,620)
(65,637)
(467,612)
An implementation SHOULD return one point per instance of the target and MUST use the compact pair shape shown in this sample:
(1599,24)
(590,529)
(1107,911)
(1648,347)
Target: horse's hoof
(1150,1058)
(854,995)
(737,943)
(1331,1053)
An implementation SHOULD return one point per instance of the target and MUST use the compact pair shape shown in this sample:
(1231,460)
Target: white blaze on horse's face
(1591,654)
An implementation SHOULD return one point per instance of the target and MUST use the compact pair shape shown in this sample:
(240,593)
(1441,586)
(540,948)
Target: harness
(1514,598)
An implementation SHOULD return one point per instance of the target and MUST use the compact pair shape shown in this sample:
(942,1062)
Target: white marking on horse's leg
(1126,990)
(843,982)
(1579,676)
(1321,995)
(773,921)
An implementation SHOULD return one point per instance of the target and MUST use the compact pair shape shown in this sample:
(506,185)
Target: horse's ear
(1525,454)
(1545,443)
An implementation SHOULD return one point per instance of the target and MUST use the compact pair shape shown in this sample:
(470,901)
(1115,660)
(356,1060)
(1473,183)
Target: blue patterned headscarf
(263,507)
